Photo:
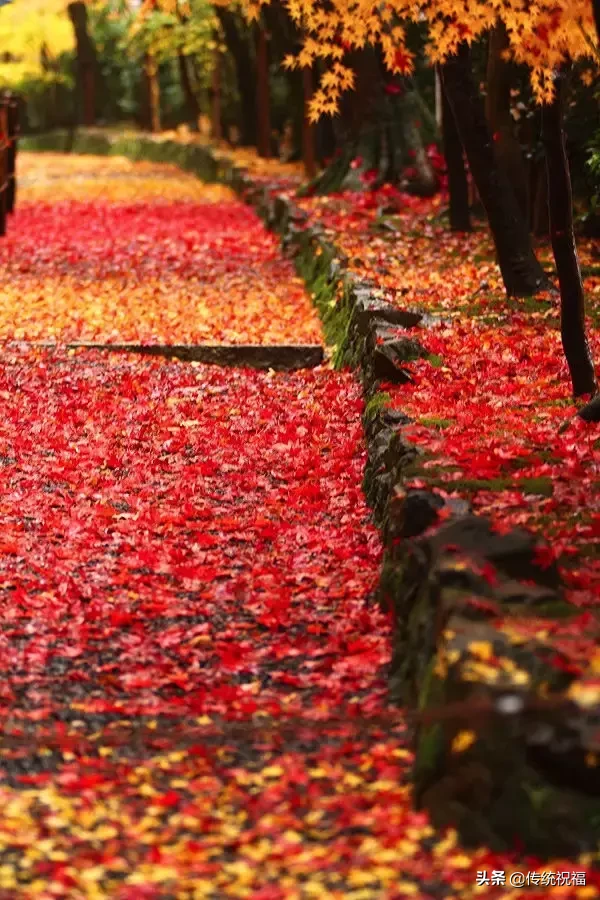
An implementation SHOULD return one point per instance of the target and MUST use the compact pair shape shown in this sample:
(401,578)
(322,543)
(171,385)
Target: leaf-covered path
(109,250)
(193,692)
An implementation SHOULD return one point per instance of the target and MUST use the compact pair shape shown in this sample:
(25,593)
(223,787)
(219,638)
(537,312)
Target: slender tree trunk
(458,183)
(49,66)
(153,87)
(540,223)
(87,62)
(439,101)
(500,79)
(191,101)
(245,72)
(596,9)
(215,97)
(13,136)
(263,94)
(308,129)
(560,205)
(3,163)
(325,140)
(425,183)
(521,272)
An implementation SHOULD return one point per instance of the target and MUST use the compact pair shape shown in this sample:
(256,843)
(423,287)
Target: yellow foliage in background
(25,27)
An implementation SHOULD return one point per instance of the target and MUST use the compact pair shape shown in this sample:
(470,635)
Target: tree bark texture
(245,71)
(87,62)
(596,9)
(13,114)
(560,206)
(3,164)
(521,272)
(540,223)
(215,97)
(191,101)
(263,98)
(500,80)
(308,129)
(458,183)
(153,88)
(425,183)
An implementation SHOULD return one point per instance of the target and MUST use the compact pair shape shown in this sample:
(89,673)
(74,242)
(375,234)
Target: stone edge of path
(505,739)
(280,357)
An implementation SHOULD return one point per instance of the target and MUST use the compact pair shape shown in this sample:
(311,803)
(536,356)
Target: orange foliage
(105,249)
(542,35)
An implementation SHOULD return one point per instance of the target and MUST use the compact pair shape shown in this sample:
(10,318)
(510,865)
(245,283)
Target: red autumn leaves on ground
(108,250)
(490,400)
(193,692)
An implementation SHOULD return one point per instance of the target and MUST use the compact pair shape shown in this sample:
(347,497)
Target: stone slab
(282,357)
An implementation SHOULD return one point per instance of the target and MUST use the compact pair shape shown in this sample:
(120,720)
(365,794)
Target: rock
(372,309)
(415,512)
(501,751)
(461,566)
(387,359)
(591,411)
(257,356)
(394,417)
(514,552)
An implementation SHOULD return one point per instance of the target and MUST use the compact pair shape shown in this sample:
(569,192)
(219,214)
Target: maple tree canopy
(542,35)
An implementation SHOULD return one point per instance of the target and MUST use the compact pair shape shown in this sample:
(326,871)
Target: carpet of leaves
(193,692)
(107,250)
(491,399)
(193,697)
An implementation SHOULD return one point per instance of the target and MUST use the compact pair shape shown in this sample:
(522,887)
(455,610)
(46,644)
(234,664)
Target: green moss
(376,404)
(542,486)
(435,360)
(471,485)
(438,477)
(432,690)
(554,609)
(539,797)
(435,422)
(430,748)
(193,158)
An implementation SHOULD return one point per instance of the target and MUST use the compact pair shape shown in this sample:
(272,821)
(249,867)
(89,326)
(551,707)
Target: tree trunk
(540,223)
(3,163)
(308,129)
(263,94)
(153,87)
(560,205)
(596,9)
(87,62)
(13,136)
(245,72)
(215,98)
(439,101)
(425,184)
(47,65)
(500,79)
(325,139)
(521,272)
(458,183)
(191,101)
